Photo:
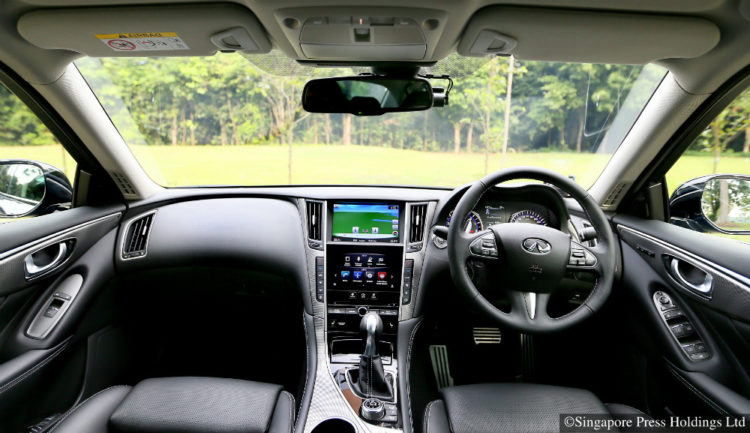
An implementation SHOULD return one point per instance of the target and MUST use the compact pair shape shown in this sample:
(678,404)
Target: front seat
(184,404)
(512,407)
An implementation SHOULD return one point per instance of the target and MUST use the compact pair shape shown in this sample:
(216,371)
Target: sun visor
(170,30)
(582,36)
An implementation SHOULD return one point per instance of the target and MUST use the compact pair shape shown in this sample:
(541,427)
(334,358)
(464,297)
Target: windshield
(233,120)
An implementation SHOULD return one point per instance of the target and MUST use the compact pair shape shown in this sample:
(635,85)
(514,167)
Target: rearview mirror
(715,203)
(29,188)
(366,95)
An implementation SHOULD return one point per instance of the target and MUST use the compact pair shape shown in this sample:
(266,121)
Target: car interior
(128,306)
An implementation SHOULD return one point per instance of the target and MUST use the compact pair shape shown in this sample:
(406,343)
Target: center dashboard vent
(417,225)
(136,238)
(315,224)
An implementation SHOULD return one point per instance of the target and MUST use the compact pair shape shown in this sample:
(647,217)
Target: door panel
(51,268)
(701,301)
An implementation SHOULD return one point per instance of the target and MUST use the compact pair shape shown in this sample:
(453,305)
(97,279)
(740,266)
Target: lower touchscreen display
(365,222)
(364,275)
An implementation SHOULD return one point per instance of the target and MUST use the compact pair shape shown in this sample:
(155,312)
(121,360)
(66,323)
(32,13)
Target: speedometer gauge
(528,217)
(472,223)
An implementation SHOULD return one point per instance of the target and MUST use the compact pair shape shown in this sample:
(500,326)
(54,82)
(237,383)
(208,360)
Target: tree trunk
(361,140)
(717,144)
(508,98)
(192,128)
(289,166)
(470,137)
(327,128)
(183,128)
(579,138)
(235,137)
(456,137)
(222,132)
(315,130)
(722,217)
(746,146)
(174,129)
(487,110)
(346,129)
(424,132)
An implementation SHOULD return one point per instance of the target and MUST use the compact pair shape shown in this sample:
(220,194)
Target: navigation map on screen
(377,222)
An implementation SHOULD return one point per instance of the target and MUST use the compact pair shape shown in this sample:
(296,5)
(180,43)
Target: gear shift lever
(370,381)
(372,325)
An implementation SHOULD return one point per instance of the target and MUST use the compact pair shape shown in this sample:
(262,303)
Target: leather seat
(511,407)
(184,404)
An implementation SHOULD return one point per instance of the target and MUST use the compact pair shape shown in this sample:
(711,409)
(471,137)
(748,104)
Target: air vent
(417,224)
(136,238)
(315,224)
(615,195)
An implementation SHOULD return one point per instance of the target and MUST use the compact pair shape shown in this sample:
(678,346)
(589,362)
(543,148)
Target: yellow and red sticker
(151,41)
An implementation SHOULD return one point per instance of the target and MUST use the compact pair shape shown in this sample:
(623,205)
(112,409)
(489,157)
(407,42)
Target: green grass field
(313,164)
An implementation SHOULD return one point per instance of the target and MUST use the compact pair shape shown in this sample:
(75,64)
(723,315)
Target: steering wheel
(532,259)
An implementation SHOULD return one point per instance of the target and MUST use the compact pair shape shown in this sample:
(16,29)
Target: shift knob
(372,325)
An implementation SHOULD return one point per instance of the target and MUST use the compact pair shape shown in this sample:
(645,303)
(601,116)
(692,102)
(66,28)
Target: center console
(364,273)
(366,255)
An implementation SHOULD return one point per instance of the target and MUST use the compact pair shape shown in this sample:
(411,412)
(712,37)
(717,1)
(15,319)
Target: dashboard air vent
(417,223)
(136,238)
(315,224)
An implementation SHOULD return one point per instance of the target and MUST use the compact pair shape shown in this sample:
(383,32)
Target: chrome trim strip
(727,273)
(34,244)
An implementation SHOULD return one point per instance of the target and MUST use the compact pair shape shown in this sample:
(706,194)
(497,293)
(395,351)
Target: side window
(709,185)
(34,167)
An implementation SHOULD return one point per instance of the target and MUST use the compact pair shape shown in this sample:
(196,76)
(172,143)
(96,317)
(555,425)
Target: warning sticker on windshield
(157,41)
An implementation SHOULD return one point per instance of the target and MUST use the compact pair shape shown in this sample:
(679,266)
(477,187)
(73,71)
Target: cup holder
(334,425)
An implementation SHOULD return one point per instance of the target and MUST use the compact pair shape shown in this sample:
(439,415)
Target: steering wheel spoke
(584,259)
(480,245)
(531,305)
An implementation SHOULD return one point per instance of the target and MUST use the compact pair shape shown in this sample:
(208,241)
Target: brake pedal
(441,366)
(486,335)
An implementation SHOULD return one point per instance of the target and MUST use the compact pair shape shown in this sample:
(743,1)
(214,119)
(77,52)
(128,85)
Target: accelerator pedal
(528,365)
(441,365)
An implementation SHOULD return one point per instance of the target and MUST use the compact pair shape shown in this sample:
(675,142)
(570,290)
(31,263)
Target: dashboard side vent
(315,224)
(417,224)
(136,238)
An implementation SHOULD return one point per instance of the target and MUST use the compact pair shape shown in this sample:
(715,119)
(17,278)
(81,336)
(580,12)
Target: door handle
(702,288)
(33,270)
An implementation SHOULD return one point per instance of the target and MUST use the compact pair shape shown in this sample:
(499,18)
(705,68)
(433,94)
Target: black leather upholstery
(184,404)
(507,407)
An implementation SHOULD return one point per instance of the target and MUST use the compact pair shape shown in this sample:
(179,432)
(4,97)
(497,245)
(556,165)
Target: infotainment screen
(365,222)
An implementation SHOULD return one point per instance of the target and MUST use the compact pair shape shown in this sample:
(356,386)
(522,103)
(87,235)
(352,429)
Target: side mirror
(716,203)
(366,95)
(30,188)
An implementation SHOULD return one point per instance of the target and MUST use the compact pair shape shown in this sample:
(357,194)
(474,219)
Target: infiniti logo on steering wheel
(536,246)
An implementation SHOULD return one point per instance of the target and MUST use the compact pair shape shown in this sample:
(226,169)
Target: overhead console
(362,34)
